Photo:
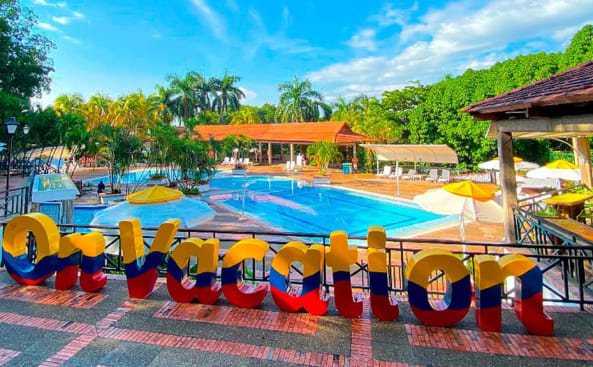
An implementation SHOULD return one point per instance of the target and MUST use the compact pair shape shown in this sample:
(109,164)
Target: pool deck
(46,327)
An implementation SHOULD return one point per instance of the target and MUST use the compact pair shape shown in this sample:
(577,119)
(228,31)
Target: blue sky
(344,47)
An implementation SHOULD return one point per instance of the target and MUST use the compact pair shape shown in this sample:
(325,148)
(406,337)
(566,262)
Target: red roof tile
(303,132)
(571,86)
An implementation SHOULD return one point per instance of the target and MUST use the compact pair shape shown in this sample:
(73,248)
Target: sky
(345,48)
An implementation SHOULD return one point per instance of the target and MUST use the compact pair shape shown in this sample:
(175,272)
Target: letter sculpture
(312,298)
(204,289)
(455,305)
(91,247)
(14,248)
(142,277)
(233,288)
(384,307)
(340,256)
(490,275)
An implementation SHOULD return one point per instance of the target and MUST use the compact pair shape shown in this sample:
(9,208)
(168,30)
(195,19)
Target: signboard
(53,187)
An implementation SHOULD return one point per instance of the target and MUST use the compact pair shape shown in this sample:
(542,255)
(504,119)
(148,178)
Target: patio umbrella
(155,205)
(467,199)
(520,165)
(559,169)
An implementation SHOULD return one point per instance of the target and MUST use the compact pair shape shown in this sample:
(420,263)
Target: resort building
(293,134)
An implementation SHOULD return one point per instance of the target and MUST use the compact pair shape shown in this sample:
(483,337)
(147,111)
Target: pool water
(295,206)
(82,214)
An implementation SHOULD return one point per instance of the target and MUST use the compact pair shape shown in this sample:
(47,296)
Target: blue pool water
(294,206)
(82,214)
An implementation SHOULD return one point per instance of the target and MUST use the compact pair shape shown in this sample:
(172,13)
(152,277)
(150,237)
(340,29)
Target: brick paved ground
(111,330)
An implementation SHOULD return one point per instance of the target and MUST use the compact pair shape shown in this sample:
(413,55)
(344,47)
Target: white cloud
(61,4)
(249,94)
(76,41)
(261,37)
(390,15)
(211,19)
(47,27)
(61,20)
(78,15)
(458,36)
(364,39)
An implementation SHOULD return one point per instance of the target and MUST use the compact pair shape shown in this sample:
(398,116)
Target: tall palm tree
(299,102)
(184,97)
(163,100)
(227,97)
(97,111)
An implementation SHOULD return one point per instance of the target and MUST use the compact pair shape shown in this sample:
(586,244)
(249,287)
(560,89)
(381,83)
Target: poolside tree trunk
(508,183)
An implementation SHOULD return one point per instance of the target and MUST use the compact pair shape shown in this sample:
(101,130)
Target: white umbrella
(191,212)
(559,169)
(520,165)
(469,200)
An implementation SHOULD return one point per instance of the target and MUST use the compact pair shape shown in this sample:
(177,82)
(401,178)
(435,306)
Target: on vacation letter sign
(62,256)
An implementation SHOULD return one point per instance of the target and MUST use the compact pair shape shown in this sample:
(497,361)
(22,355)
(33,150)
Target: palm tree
(184,97)
(68,103)
(299,102)
(97,111)
(227,96)
(163,99)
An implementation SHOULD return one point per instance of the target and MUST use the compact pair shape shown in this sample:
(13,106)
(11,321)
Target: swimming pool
(295,206)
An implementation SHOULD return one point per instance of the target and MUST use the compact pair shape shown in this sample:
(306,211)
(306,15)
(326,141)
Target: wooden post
(508,183)
(292,152)
(259,153)
(282,152)
(269,153)
(582,157)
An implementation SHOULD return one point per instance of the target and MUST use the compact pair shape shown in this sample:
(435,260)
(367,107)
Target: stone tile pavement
(42,326)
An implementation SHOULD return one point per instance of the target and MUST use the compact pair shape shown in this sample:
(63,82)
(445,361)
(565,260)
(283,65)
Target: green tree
(299,102)
(580,49)
(227,97)
(245,115)
(121,148)
(267,113)
(322,154)
(24,61)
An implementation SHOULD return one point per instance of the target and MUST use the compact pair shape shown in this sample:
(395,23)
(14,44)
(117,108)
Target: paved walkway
(42,326)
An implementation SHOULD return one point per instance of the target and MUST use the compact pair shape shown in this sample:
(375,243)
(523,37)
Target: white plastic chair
(226,161)
(432,175)
(398,173)
(386,172)
(291,166)
(287,166)
(410,175)
(445,176)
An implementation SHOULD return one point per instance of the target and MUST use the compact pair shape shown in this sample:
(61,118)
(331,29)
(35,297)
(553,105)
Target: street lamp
(25,161)
(11,126)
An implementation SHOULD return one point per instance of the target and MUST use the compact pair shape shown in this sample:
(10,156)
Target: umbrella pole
(397,177)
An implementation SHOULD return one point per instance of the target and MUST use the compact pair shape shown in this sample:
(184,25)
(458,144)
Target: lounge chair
(410,175)
(299,161)
(386,172)
(398,173)
(445,176)
(247,162)
(287,166)
(233,161)
(432,175)
(226,161)
(291,166)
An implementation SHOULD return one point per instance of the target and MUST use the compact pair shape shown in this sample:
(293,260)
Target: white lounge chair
(299,161)
(247,162)
(386,172)
(432,175)
(226,161)
(398,173)
(445,176)
(410,175)
(233,161)
(291,167)
(287,166)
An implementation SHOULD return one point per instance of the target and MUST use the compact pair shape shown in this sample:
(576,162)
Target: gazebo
(303,133)
(560,106)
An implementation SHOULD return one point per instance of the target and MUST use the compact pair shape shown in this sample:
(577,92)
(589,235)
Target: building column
(269,153)
(508,183)
(292,152)
(259,153)
(354,150)
(281,153)
(582,156)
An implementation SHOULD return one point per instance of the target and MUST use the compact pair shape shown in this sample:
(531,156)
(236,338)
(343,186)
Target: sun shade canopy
(470,189)
(154,194)
(413,153)
(299,133)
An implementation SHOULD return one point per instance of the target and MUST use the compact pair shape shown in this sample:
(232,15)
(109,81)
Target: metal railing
(535,203)
(563,269)
(15,201)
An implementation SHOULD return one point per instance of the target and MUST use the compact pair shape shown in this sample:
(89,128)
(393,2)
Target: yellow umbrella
(561,164)
(470,200)
(154,194)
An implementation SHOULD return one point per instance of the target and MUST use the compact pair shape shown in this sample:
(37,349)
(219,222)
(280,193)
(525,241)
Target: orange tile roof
(302,132)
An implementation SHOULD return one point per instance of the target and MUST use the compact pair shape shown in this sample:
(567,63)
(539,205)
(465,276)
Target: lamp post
(11,126)
(25,161)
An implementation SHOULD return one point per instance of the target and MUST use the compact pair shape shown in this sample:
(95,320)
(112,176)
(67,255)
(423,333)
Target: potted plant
(322,154)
